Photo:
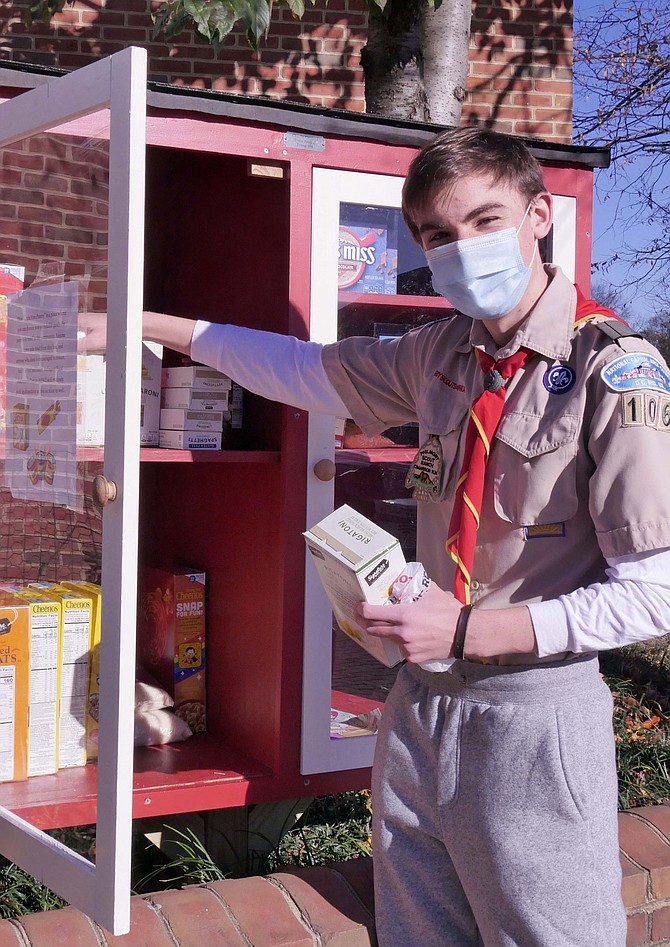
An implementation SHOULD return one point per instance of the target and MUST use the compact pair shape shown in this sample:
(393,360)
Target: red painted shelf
(382,299)
(177,777)
(154,455)
(376,455)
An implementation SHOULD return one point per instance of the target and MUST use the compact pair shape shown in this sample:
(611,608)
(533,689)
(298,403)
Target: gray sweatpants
(495,809)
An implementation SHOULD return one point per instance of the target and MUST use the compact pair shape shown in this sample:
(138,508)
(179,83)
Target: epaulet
(615,329)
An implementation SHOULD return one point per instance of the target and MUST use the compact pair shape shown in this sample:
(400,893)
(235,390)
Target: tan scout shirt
(573,477)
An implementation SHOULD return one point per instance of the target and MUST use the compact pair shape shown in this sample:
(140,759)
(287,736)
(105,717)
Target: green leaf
(297,7)
(254,17)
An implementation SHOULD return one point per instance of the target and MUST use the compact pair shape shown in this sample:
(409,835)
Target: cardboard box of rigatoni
(357,561)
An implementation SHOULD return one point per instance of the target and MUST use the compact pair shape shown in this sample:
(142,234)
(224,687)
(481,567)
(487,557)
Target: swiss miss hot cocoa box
(171,637)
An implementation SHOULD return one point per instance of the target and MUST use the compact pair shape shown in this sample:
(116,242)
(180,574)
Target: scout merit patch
(644,383)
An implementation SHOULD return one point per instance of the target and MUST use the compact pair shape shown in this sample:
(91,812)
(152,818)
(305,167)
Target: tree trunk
(416,61)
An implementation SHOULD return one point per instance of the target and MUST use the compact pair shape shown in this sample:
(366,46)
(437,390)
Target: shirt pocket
(534,467)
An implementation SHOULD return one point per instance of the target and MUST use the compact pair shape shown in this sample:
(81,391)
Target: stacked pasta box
(199,406)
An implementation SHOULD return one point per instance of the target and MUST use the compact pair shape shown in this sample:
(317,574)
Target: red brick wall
(520,56)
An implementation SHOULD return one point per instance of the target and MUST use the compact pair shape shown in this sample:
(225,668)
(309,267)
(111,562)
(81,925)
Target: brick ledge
(304,907)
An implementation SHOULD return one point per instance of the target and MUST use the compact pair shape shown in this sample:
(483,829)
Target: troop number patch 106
(640,408)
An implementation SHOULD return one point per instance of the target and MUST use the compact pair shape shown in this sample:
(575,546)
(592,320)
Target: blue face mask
(483,277)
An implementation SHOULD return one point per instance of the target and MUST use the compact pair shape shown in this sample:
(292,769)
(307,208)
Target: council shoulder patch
(636,370)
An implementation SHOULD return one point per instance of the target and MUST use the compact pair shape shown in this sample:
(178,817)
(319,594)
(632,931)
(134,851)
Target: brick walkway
(315,907)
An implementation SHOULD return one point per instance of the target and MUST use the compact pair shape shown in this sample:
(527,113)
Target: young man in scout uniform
(542,504)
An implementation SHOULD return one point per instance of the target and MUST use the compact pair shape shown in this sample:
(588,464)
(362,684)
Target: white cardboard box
(357,561)
(152,365)
(181,419)
(195,376)
(194,399)
(189,440)
(91,372)
(90,400)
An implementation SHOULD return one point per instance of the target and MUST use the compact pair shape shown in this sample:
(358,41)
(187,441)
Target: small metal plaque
(304,142)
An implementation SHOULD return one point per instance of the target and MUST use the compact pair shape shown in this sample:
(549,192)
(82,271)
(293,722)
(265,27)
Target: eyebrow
(482,209)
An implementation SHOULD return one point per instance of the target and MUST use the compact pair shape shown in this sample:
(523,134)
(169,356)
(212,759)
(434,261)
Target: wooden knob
(324,470)
(104,490)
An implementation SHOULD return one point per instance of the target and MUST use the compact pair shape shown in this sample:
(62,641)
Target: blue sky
(611,225)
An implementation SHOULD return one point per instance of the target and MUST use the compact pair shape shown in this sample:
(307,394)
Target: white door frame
(117,83)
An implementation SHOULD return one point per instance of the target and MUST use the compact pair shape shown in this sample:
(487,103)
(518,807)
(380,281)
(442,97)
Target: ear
(542,214)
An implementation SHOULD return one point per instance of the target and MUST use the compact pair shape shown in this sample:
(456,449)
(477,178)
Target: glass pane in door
(54,205)
(379,266)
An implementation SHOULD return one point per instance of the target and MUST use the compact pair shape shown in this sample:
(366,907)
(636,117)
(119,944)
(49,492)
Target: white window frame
(330,188)
(117,83)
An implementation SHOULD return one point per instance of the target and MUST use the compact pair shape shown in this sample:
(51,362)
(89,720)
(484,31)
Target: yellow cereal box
(77,610)
(14,687)
(93,698)
(172,638)
(45,627)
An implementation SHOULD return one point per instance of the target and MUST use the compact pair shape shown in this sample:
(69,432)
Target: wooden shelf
(382,299)
(153,455)
(200,773)
(376,455)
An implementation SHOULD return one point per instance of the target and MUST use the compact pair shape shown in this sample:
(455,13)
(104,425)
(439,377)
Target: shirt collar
(549,327)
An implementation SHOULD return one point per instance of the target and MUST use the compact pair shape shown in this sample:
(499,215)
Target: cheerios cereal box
(14,687)
(93,692)
(171,643)
(44,617)
(76,616)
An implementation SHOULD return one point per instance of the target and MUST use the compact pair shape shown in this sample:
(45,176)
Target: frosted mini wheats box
(357,561)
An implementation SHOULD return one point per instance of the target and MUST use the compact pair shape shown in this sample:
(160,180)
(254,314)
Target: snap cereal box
(171,645)
(14,687)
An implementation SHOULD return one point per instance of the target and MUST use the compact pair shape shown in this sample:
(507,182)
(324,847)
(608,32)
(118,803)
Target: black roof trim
(312,119)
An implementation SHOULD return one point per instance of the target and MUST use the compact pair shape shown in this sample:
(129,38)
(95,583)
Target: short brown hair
(461,152)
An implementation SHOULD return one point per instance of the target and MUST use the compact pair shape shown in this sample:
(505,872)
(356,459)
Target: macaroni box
(91,381)
(356,562)
(181,419)
(152,366)
(194,399)
(195,376)
(14,687)
(171,642)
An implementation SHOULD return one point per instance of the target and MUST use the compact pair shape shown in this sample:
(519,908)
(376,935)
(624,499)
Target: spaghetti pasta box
(171,641)
(195,376)
(357,561)
(189,440)
(14,687)
(180,419)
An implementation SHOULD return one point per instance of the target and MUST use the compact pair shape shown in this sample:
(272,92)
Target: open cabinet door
(76,147)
